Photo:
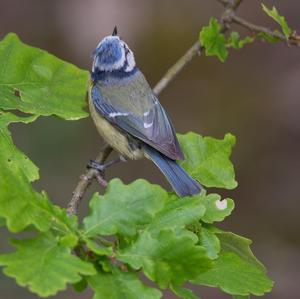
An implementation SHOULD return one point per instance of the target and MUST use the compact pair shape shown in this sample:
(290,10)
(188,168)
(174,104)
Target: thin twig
(294,39)
(177,68)
(230,15)
(234,4)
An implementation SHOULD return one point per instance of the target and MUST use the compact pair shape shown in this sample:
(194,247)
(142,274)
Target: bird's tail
(182,183)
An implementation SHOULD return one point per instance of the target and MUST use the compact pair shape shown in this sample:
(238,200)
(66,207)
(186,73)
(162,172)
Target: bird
(129,117)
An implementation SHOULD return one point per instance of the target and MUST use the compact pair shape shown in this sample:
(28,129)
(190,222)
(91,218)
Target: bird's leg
(102,167)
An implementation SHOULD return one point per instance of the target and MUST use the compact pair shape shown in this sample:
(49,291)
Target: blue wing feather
(137,112)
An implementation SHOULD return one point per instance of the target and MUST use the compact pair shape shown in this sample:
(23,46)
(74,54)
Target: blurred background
(254,95)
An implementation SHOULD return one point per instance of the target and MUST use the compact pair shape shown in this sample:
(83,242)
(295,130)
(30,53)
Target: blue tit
(130,118)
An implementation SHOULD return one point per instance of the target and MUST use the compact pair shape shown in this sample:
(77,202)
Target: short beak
(115,32)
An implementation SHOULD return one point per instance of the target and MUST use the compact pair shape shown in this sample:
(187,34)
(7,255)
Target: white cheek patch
(114,114)
(130,61)
(147,113)
(95,63)
(221,204)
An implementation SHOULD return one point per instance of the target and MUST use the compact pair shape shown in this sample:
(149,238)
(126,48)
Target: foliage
(131,230)
(207,159)
(216,43)
(213,40)
(274,14)
(235,42)
(35,82)
(44,265)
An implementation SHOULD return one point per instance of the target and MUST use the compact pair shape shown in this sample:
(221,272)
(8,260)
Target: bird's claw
(100,168)
(95,165)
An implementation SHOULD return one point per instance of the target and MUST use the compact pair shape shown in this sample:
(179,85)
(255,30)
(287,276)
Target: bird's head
(113,54)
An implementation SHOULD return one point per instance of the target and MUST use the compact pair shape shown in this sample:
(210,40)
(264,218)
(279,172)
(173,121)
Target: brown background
(254,95)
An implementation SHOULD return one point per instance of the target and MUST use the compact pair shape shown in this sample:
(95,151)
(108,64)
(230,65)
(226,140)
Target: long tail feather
(182,183)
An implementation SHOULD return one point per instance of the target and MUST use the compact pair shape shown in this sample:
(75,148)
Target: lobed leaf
(10,152)
(118,284)
(274,14)
(36,82)
(237,271)
(215,209)
(123,208)
(169,257)
(207,159)
(20,204)
(44,265)
(235,276)
(213,40)
(231,242)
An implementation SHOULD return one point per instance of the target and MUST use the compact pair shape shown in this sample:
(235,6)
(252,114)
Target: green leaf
(235,276)
(235,42)
(69,240)
(239,271)
(117,285)
(2,222)
(215,208)
(231,242)
(274,14)
(207,159)
(36,82)
(81,285)
(268,37)
(213,40)
(98,249)
(183,293)
(210,242)
(43,265)
(20,204)
(123,208)
(10,152)
(170,257)
(154,249)
(176,214)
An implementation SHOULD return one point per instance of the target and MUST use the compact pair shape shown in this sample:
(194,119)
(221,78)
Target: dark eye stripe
(127,51)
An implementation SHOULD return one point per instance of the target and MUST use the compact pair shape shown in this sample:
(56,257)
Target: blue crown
(112,58)
(108,51)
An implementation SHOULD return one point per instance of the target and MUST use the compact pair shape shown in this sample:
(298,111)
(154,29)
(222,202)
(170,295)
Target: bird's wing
(134,108)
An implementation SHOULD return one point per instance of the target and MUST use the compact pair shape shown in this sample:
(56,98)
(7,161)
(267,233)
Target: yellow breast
(113,136)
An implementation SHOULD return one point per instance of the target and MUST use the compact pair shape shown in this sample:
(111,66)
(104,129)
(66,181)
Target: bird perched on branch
(129,116)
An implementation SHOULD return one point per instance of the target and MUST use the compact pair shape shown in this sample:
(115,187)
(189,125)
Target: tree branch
(85,180)
(229,16)
(294,39)
(177,68)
